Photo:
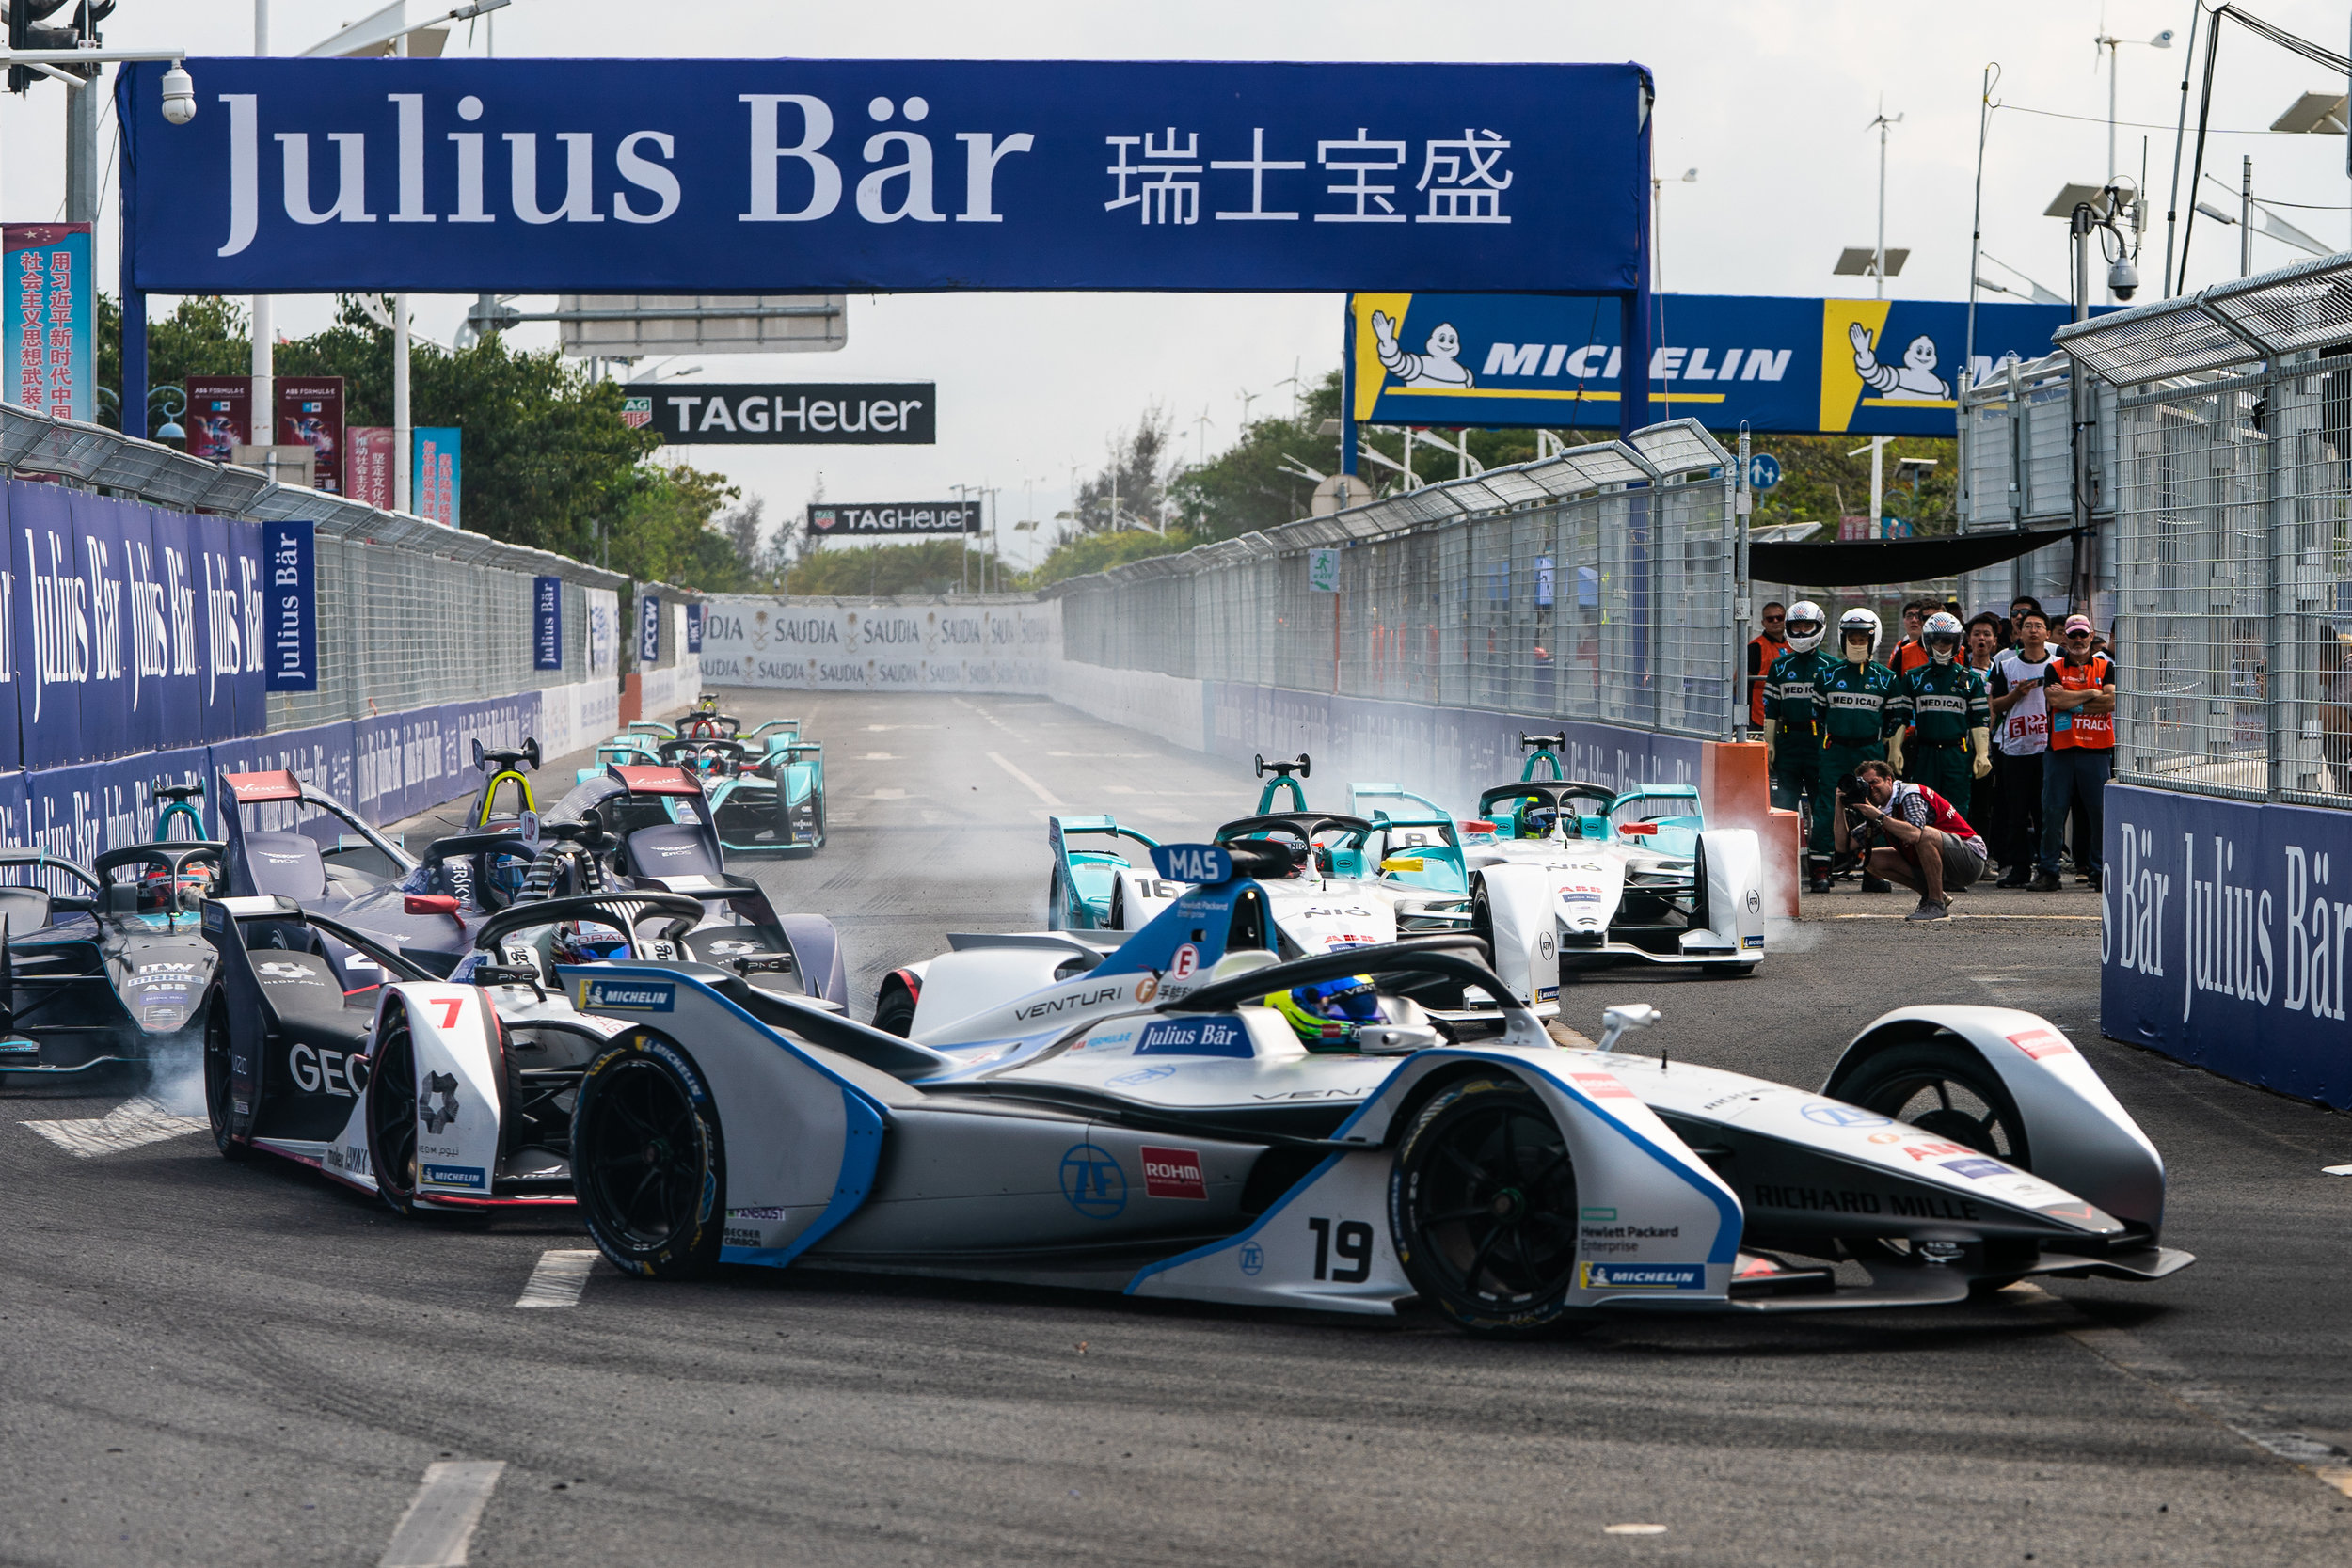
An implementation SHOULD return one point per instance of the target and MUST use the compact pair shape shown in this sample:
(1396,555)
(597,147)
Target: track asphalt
(207,1363)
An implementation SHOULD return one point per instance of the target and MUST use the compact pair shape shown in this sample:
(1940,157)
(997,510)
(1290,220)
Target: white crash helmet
(1806,610)
(1942,635)
(1858,619)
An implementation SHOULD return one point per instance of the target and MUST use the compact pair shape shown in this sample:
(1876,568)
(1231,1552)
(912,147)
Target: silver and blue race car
(1170,1133)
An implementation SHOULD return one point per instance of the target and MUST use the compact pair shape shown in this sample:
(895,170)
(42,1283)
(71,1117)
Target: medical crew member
(1944,707)
(1792,712)
(1857,693)
(1763,649)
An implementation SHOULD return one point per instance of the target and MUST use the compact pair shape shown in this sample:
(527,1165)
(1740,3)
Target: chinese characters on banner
(50,287)
(369,472)
(546,622)
(311,414)
(219,417)
(898,175)
(436,474)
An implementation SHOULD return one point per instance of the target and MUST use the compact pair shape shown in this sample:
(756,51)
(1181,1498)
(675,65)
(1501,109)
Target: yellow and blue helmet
(1327,1014)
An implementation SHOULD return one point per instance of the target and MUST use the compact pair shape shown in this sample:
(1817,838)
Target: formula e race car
(96,981)
(430,1093)
(503,771)
(767,786)
(1323,898)
(1194,1146)
(1571,877)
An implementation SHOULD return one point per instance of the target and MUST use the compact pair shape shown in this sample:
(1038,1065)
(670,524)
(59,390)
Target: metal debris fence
(1597,584)
(2233,438)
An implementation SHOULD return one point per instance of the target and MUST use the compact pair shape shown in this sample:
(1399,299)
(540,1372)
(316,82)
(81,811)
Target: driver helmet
(1804,625)
(1859,620)
(1942,634)
(192,886)
(1327,1015)
(1538,818)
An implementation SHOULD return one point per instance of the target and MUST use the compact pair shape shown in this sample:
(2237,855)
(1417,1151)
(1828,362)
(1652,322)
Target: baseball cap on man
(2079,622)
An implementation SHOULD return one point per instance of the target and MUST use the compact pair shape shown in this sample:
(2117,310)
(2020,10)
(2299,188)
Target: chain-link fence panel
(1594,585)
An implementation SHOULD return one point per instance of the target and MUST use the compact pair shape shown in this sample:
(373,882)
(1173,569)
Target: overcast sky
(1768,102)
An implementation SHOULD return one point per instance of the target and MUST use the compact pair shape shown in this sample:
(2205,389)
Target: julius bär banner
(1866,367)
(856,176)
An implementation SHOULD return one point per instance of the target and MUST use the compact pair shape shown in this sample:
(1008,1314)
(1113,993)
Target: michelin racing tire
(221,1085)
(1481,1211)
(894,1011)
(648,1162)
(391,1105)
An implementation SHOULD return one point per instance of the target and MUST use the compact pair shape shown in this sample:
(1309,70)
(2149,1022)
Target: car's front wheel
(220,1083)
(1482,1206)
(648,1163)
(392,1099)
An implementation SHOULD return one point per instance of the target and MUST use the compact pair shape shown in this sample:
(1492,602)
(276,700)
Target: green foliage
(930,567)
(1099,552)
(1821,482)
(548,461)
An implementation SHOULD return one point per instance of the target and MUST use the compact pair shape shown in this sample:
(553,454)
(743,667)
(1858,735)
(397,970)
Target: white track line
(127,1126)
(558,1281)
(1019,777)
(2135,1358)
(443,1515)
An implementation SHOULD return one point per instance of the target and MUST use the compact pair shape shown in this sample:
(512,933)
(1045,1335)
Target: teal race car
(766,786)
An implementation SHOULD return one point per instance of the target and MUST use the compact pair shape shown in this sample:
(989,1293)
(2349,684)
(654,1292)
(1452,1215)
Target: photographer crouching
(1920,840)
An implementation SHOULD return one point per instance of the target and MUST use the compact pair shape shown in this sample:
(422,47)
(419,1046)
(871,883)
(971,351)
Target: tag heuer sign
(873,412)
(842,519)
(637,412)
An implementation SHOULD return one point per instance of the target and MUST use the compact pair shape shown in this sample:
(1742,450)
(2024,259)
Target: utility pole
(81,150)
(1877,257)
(2246,221)
(264,430)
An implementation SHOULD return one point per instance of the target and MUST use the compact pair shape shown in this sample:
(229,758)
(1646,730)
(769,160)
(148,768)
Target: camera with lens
(1853,790)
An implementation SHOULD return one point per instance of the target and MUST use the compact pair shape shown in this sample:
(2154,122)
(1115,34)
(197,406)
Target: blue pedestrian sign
(1763,471)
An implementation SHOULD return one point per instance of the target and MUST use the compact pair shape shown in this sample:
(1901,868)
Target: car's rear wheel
(393,1116)
(220,1083)
(648,1165)
(1482,1207)
(894,1011)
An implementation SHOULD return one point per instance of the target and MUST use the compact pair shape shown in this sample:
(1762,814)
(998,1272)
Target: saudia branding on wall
(2226,935)
(794,644)
(1860,366)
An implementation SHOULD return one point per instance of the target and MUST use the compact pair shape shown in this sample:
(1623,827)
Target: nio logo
(438,1107)
(1545,948)
(282,971)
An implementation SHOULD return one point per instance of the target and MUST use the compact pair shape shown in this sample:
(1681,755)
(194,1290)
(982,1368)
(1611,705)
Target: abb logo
(2038,1043)
(1601,1086)
(1172,1173)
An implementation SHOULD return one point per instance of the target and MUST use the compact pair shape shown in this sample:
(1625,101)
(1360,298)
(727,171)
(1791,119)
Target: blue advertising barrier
(289,605)
(2224,941)
(546,622)
(129,629)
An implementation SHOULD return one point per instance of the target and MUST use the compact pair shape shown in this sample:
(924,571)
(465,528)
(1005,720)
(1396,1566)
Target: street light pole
(1877,257)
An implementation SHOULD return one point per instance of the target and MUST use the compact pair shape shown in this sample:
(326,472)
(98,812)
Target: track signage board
(896,413)
(289,601)
(1802,366)
(546,622)
(843,519)
(830,175)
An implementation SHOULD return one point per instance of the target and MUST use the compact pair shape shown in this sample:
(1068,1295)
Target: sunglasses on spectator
(2071,635)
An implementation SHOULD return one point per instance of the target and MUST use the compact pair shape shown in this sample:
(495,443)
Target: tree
(1099,552)
(931,567)
(548,461)
(1131,488)
(1824,478)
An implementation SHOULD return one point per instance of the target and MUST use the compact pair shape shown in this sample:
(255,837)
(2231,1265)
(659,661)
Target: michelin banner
(2224,938)
(1858,367)
(880,647)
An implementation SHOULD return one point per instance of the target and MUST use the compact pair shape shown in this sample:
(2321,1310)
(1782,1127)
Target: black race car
(102,964)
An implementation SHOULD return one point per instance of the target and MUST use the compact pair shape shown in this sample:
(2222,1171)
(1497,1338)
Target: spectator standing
(1985,642)
(1792,730)
(1944,705)
(2080,689)
(2023,739)
(1929,847)
(1857,695)
(1764,649)
(2021,607)
(1909,655)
